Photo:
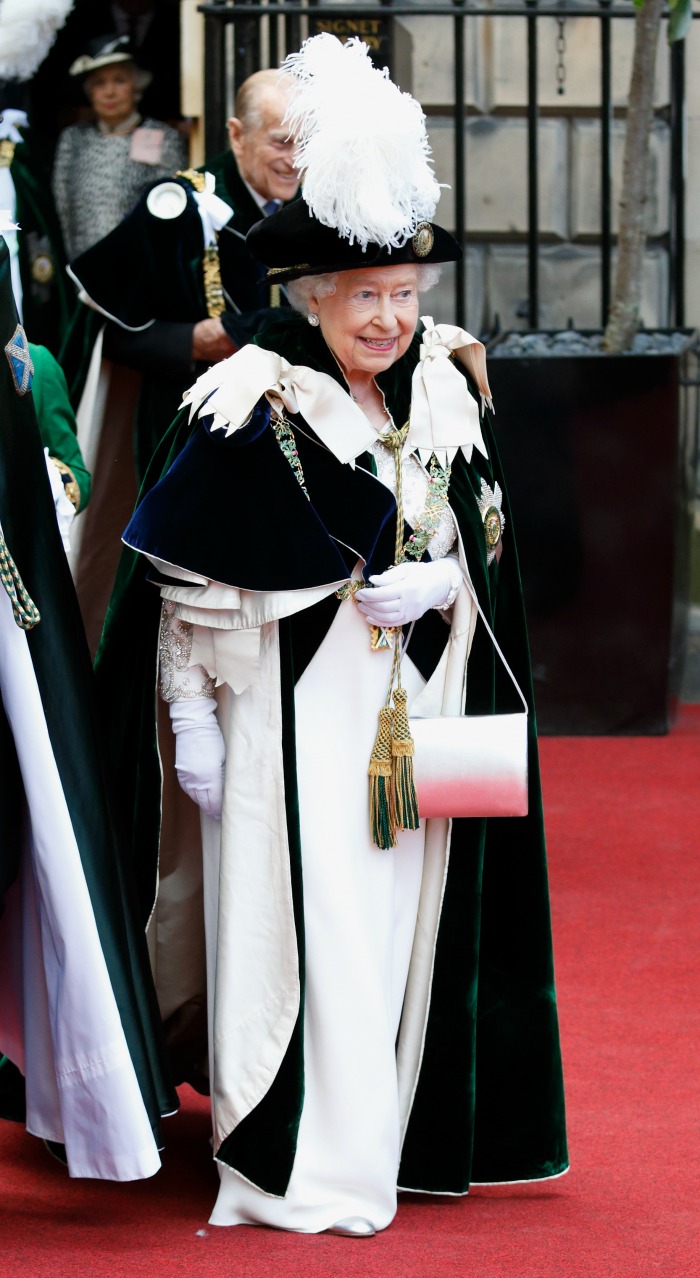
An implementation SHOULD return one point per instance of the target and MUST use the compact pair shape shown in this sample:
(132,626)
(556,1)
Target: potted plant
(600,445)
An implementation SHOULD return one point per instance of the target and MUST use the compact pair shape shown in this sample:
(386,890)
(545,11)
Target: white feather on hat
(361,145)
(27,31)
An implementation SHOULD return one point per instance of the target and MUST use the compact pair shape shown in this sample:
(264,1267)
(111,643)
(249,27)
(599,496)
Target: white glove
(199,752)
(65,510)
(404,593)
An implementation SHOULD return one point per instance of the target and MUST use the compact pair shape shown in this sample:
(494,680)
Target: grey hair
(252,93)
(140,77)
(301,291)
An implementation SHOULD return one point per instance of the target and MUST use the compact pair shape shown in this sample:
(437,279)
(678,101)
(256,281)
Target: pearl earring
(313,319)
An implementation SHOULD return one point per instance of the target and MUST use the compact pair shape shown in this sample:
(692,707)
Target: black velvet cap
(292,243)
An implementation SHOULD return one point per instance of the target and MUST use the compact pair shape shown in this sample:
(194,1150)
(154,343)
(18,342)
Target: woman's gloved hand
(199,752)
(404,593)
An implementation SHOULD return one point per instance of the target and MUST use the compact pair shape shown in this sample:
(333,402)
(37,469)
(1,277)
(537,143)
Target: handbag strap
(468,583)
(516,685)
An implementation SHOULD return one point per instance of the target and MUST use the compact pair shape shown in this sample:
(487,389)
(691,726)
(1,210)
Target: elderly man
(255,177)
(180,291)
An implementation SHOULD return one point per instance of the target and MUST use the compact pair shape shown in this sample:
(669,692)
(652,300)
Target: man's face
(264,154)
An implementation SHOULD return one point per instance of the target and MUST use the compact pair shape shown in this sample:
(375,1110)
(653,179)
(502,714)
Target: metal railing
(265,30)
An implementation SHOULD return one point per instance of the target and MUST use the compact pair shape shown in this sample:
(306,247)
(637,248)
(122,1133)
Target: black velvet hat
(292,243)
(369,191)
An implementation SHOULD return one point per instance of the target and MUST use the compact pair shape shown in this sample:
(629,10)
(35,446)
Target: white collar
(260,200)
(119,130)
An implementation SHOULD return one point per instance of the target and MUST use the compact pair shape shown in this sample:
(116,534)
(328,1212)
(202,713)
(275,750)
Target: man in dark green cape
(177,299)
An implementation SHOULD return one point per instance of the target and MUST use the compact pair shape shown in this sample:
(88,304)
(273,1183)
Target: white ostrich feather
(27,31)
(361,145)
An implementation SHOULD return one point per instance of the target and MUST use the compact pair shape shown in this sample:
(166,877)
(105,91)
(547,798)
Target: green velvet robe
(62,666)
(48,300)
(489,1104)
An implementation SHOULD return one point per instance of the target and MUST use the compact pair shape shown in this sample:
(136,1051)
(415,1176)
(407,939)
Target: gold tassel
(405,803)
(213,288)
(381,814)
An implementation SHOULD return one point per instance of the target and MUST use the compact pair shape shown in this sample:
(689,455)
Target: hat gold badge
(423,239)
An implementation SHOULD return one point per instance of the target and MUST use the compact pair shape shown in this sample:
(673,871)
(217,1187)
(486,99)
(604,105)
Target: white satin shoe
(353,1227)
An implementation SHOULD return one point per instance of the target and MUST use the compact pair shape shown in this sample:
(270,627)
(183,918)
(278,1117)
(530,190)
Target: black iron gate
(261,32)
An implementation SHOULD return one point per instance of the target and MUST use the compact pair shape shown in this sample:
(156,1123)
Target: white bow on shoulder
(240,381)
(444,415)
(214,212)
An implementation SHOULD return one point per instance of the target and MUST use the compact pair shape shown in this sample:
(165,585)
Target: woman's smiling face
(370,320)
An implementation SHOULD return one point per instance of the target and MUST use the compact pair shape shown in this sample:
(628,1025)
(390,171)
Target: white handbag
(472,765)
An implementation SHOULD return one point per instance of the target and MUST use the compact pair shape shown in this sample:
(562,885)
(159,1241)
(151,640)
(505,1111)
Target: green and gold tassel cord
(402,749)
(381,807)
(24,610)
(392,803)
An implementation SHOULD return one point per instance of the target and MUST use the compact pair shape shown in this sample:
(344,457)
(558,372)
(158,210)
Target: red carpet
(622,818)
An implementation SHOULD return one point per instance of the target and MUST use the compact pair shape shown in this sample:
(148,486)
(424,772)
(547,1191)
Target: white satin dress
(360,910)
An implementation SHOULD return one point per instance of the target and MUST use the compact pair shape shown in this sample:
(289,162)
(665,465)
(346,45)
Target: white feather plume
(27,31)
(361,145)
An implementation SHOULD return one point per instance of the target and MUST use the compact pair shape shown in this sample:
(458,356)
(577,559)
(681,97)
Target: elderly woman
(102,167)
(380,998)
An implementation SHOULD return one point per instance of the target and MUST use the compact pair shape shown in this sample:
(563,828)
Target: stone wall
(569,163)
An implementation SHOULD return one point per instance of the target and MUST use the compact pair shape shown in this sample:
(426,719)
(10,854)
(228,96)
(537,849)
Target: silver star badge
(493,519)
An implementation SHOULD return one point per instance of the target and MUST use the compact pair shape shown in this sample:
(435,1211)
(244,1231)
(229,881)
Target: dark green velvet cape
(489,1104)
(62,666)
(48,299)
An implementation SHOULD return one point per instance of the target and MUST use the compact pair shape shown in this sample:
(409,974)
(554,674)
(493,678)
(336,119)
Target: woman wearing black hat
(102,167)
(381,1008)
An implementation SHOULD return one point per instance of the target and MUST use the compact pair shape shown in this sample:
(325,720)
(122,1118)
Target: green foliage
(681,16)
(680,19)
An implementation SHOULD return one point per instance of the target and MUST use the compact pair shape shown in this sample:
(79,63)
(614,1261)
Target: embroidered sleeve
(179,681)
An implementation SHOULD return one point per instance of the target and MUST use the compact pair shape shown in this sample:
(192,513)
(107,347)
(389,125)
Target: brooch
(423,240)
(42,268)
(20,361)
(493,519)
